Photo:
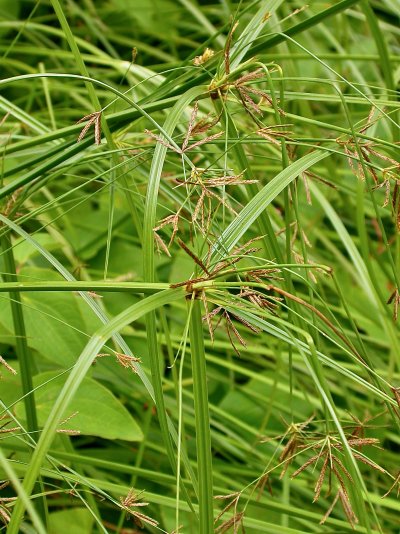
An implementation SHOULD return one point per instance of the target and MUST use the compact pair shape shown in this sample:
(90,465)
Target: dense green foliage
(199,266)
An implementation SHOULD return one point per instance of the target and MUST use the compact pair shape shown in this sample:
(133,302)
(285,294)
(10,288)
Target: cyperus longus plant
(199,267)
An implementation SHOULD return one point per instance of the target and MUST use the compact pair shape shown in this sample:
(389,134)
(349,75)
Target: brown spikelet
(231,328)
(369,122)
(68,418)
(192,129)
(387,193)
(289,449)
(7,366)
(127,361)
(199,208)
(306,187)
(385,184)
(213,313)
(368,462)
(203,141)
(234,522)
(130,502)
(6,482)
(305,465)
(163,142)
(207,316)
(261,483)
(274,133)
(5,516)
(320,481)
(224,497)
(340,479)
(188,283)
(395,483)
(234,179)
(396,392)
(161,244)
(170,219)
(396,204)
(246,323)
(262,94)
(85,128)
(227,48)
(395,299)
(248,102)
(8,499)
(190,126)
(348,510)
(233,502)
(351,157)
(258,73)
(198,127)
(203,125)
(368,163)
(329,511)
(9,430)
(342,467)
(383,157)
(69,431)
(97,129)
(95,119)
(3,120)
(9,209)
(360,442)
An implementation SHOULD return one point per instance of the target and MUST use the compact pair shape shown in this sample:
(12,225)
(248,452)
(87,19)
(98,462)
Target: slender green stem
(202,419)
(25,357)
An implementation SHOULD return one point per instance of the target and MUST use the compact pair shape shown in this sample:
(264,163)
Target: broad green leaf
(88,233)
(98,412)
(11,388)
(23,250)
(54,322)
(60,522)
(76,377)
